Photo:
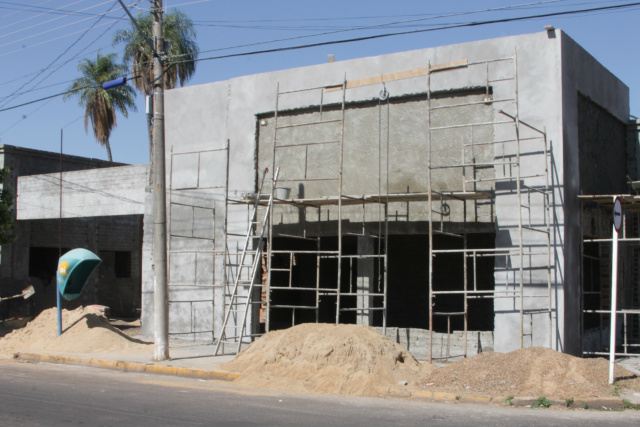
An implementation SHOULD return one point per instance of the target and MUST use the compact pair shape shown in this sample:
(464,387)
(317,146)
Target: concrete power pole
(160,291)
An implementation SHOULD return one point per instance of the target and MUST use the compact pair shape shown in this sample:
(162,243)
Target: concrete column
(219,269)
(365,280)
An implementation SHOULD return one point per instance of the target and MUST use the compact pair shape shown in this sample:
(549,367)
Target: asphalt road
(54,395)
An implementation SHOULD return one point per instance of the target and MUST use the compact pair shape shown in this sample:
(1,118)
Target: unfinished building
(432,194)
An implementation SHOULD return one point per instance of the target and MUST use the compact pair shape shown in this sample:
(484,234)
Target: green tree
(101,104)
(181,55)
(6,214)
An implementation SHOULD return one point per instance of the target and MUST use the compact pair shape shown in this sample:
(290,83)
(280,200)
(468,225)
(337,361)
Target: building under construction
(457,198)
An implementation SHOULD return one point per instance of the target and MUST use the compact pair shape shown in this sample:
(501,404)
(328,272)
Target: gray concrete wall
(117,240)
(582,74)
(539,104)
(196,137)
(95,192)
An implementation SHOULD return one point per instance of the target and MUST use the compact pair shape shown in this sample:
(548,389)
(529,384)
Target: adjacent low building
(46,228)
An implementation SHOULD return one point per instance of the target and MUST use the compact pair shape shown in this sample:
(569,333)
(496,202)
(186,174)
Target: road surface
(56,395)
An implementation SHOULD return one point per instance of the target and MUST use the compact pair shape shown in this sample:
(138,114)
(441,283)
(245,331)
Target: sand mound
(352,359)
(325,358)
(84,331)
(532,371)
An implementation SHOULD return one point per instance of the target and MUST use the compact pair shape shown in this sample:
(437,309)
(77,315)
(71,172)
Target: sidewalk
(189,359)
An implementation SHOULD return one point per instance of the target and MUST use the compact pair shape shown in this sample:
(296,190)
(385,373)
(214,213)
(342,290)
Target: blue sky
(41,42)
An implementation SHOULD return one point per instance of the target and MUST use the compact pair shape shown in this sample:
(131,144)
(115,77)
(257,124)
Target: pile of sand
(357,360)
(346,359)
(532,371)
(84,331)
(324,358)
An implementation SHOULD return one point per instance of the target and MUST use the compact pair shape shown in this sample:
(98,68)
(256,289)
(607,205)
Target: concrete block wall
(376,163)
(88,193)
(444,345)
(116,286)
(23,162)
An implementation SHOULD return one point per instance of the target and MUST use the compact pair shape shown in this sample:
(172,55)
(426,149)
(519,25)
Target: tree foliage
(101,104)
(6,214)
(180,59)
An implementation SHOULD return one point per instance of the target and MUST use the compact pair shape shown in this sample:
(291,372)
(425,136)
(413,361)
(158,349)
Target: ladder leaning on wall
(237,304)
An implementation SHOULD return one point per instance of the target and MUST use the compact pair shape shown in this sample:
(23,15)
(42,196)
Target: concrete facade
(553,73)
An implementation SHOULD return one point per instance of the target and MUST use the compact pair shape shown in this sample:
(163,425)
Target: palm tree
(101,104)
(180,62)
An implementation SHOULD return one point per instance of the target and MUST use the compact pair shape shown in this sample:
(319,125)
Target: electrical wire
(52,96)
(33,17)
(513,7)
(372,37)
(25,116)
(49,21)
(50,40)
(35,87)
(400,33)
(101,16)
(50,10)
(13,95)
(250,24)
(74,57)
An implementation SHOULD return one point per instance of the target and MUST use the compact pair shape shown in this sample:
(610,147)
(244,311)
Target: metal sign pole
(58,301)
(617,224)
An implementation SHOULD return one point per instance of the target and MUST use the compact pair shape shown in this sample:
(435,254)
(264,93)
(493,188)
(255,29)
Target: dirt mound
(325,358)
(532,371)
(353,359)
(84,331)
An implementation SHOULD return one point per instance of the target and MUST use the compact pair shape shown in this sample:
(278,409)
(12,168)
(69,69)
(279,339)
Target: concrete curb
(122,366)
(598,404)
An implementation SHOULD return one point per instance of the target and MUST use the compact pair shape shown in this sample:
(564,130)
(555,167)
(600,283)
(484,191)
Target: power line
(56,59)
(513,7)
(74,57)
(49,10)
(46,22)
(33,88)
(101,16)
(400,33)
(364,38)
(52,96)
(42,99)
(51,40)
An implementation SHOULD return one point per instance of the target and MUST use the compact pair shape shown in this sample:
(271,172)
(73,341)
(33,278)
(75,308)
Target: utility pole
(160,291)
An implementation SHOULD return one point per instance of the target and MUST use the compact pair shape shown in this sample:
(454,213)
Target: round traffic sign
(617,214)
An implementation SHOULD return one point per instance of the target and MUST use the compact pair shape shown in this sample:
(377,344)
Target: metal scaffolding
(503,162)
(596,276)
(191,238)
(520,160)
(325,130)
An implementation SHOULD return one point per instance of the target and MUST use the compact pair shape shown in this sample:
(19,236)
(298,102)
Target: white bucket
(282,193)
